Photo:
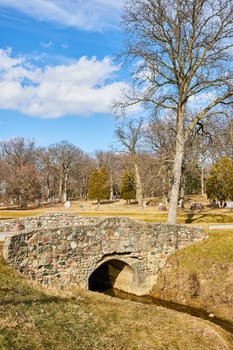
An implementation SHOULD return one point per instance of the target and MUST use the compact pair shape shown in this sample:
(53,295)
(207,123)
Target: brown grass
(33,318)
(201,275)
(120,208)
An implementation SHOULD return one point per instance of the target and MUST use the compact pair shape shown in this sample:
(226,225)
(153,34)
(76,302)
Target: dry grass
(201,275)
(32,318)
(120,208)
(37,319)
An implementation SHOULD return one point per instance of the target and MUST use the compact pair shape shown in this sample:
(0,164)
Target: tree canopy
(128,186)
(219,184)
(98,185)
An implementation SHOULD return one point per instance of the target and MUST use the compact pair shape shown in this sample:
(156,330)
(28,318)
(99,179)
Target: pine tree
(98,185)
(128,186)
(219,184)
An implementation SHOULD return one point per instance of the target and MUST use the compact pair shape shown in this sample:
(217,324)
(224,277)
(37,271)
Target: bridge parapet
(70,254)
(49,219)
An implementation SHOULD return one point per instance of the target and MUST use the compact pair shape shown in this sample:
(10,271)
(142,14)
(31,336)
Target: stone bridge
(63,249)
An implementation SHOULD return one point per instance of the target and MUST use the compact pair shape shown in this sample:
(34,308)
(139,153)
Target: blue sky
(58,76)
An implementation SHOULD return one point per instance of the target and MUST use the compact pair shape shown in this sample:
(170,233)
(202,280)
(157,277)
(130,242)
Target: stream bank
(203,314)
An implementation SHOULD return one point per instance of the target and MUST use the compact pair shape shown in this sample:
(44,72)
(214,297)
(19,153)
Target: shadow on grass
(192,217)
(30,301)
(190,310)
(206,216)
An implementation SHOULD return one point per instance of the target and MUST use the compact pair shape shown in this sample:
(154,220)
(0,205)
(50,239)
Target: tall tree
(183,52)
(65,155)
(79,175)
(129,133)
(25,183)
(110,161)
(160,139)
(49,173)
(220,181)
(22,180)
(127,186)
(98,185)
(18,152)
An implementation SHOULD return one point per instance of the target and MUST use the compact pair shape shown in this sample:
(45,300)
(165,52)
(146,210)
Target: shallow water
(226,325)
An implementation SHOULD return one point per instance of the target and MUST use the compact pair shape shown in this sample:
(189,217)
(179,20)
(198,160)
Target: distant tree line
(139,167)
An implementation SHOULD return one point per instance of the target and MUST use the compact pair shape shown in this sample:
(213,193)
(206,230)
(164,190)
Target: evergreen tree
(128,186)
(98,185)
(220,182)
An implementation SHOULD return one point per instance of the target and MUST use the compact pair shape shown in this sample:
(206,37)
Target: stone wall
(64,249)
(49,219)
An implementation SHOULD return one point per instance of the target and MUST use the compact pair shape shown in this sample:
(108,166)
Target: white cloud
(87,15)
(65,46)
(47,44)
(197,102)
(79,88)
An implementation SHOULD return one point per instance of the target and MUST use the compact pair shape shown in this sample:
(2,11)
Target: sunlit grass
(32,318)
(199,217)
(202,255)
(201,275)
(205,216)
(14,214)
(36,319)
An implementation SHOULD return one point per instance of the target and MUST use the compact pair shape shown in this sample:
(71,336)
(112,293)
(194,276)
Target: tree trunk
(65,186)
(111,188)
(177,170)
(138,184)
(202,180)
(48,187)
(23,202)
(61,180)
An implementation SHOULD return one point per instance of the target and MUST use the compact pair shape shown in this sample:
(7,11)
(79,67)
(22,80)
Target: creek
(205,315)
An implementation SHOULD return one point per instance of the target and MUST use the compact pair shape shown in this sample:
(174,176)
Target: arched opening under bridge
(112,274)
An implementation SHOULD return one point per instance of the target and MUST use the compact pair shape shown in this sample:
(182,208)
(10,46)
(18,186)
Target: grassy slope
(34,319)
(201,275)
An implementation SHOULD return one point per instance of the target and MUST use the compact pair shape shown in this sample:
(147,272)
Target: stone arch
(113,273)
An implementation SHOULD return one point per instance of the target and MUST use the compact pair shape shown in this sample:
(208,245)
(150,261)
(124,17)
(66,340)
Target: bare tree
(22,179)
(153,185)
(160,139)
(24,182)
(129,134)
(226,138)
(49,172)
(81,170)
(110,161)
(65,156)
(182,50)
(18,151)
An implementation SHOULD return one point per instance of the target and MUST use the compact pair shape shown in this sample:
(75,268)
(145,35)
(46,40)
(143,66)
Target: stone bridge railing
(65,249)
(49,219)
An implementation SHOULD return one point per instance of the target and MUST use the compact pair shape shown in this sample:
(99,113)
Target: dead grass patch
(201,275)
(149,214)
(33,318)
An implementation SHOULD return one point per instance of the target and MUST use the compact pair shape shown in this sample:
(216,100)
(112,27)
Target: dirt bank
(201,276)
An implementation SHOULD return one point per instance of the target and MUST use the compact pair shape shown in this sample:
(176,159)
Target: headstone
(229,205)
(67,204)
